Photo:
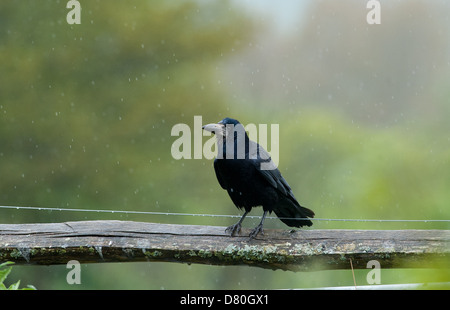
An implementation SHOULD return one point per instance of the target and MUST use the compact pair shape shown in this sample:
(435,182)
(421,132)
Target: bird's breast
(243,182)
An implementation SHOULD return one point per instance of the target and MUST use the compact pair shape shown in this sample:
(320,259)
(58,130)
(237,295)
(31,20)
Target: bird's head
(231,137)
(224,128)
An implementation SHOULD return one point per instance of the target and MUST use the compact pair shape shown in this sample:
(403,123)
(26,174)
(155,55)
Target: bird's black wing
(288,210)
(267,168)
(275,178)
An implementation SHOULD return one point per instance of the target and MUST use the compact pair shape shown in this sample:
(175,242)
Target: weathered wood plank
(125,241)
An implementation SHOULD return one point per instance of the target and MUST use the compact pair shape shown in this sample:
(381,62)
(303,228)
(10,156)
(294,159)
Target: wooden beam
(300,250)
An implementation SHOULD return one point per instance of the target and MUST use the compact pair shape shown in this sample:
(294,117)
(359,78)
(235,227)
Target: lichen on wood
(301,250)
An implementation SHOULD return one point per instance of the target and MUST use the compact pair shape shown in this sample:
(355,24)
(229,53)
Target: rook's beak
(214,128)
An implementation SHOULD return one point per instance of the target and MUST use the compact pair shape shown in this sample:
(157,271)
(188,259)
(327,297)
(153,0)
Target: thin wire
(204,215)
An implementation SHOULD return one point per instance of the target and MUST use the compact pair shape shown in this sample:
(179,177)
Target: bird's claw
(258,229)
(233,229)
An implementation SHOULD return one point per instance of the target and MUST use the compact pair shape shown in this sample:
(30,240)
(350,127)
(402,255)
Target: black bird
(246,171)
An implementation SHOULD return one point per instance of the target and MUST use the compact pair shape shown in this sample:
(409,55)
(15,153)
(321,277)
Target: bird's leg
(236,228)
(258,229)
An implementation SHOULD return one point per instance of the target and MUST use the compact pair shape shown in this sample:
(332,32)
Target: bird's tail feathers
(292,214)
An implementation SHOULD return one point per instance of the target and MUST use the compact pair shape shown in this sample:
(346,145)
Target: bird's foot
(258,229)
(233,229)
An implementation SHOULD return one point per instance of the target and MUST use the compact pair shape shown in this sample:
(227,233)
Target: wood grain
(300,250)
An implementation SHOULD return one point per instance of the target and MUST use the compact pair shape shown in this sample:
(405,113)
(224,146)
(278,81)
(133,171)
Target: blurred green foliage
(4,272)
(87,108)
(86,113)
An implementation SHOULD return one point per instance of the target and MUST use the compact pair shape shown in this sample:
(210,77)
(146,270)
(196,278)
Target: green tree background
(86,113)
